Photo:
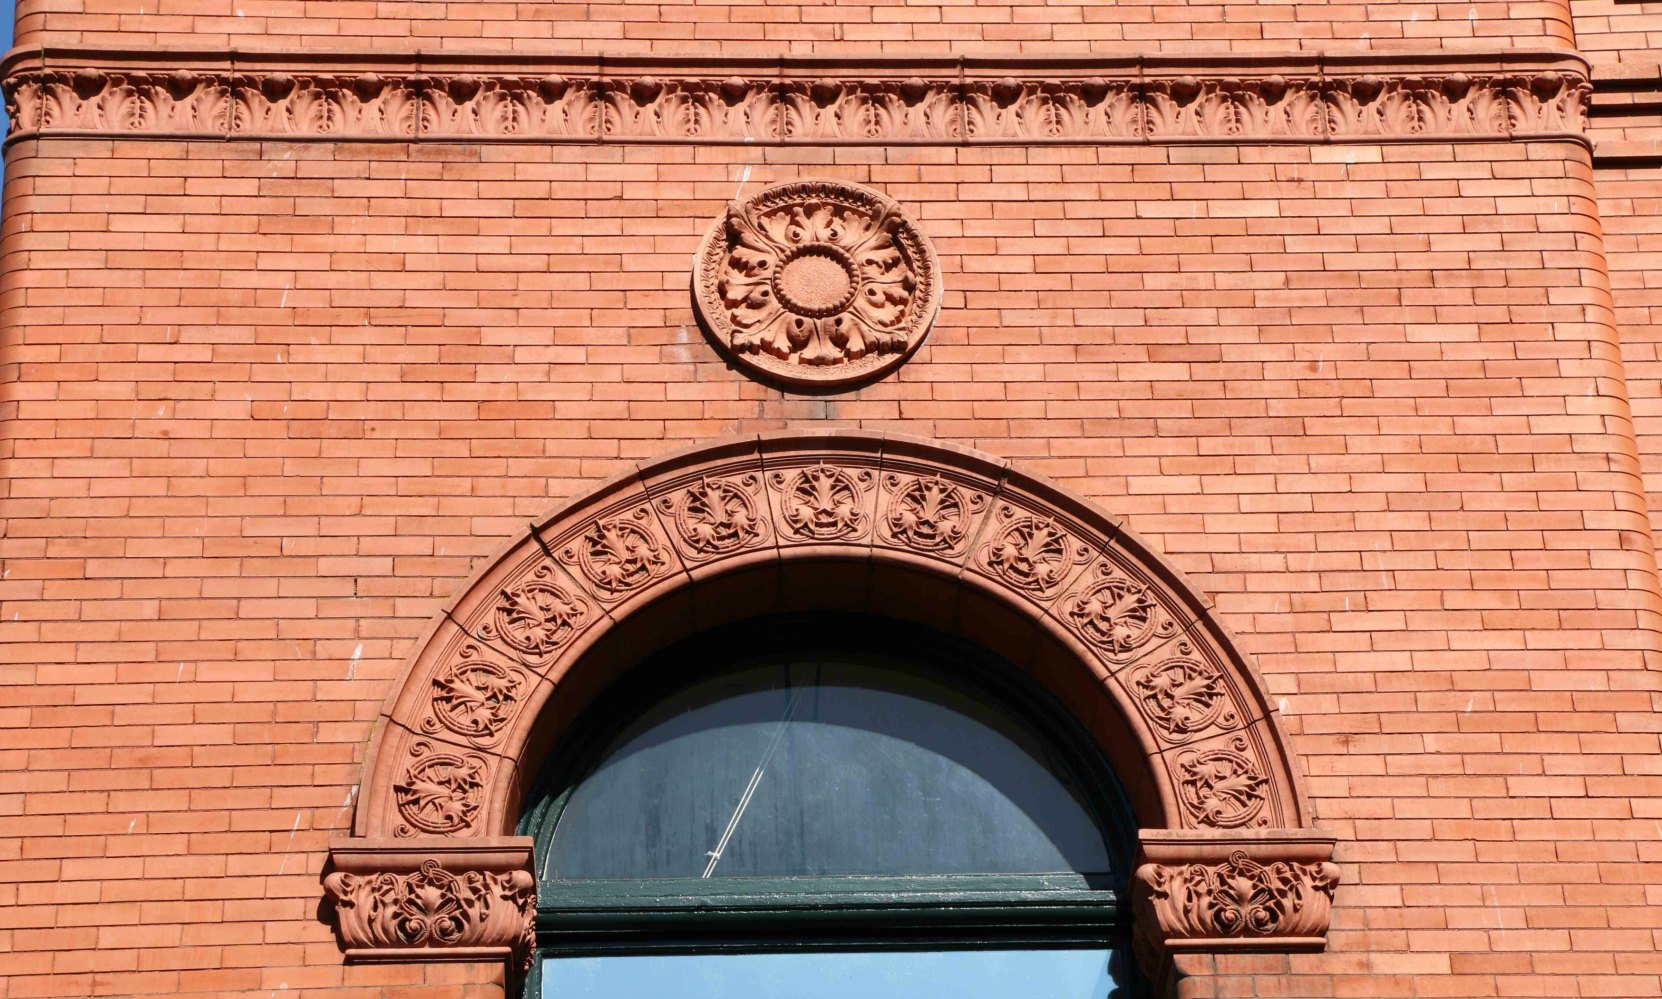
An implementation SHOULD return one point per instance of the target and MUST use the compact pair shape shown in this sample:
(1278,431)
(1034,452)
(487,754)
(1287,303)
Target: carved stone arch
(928,532)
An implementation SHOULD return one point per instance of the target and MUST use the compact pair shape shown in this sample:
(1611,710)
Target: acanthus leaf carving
(431,910)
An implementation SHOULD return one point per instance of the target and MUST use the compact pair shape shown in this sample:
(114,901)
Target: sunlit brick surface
(267,405)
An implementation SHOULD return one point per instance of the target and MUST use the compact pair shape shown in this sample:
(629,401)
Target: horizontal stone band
(1474,97)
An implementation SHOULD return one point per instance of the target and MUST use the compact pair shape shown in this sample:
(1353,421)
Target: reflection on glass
(987,974)
(824,766)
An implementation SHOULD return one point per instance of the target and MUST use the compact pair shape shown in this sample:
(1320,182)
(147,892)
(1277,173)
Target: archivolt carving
(1296,101)
(440,792)
(1033,553)
(1265,892)
(1184,696)
(1197,736)
(535,618)
(1119,616)
(1223,787)
(475,698)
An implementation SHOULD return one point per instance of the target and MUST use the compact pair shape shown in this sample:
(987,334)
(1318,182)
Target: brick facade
(266,405)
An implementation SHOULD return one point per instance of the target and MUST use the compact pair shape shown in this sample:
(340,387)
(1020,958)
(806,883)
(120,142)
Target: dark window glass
(825,765)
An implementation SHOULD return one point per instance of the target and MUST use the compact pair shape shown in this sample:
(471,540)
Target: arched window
(829,807)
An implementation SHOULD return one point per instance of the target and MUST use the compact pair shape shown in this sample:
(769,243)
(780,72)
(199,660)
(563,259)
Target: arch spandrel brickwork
(912,529)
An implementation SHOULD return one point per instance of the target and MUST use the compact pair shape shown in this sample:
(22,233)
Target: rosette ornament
(817,282)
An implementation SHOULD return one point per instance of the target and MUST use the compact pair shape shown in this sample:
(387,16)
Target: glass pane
(836,765)
(990,974)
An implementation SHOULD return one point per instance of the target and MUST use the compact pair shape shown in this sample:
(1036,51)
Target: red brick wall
(768,28)
(265,405)
(1625,32)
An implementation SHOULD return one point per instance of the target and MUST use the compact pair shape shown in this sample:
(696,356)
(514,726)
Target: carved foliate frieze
(1031,552)
(366,104)
(536,617)
(1183,696)
(618,555)
(474,697)
(1223,787)
(1216,905)
(1118,616)
(823,502)
(830,110)
(928,513)
(481,103)
(816,281)
(441,790)
(717,515)
(462,904)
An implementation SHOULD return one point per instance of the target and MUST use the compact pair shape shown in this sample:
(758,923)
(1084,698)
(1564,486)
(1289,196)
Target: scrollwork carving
(441,791)
(1294,104)
(1031,552)
(817,281)
(1223,788)
(535,618)
(823,502)
(432,909)
(928,513)
(717,516)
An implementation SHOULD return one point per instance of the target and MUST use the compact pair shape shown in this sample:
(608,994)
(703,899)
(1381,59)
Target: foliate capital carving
(1267,891)
(817,282)
(433,899)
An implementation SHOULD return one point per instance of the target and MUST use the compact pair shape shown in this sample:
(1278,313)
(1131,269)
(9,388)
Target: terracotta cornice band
(1308,98)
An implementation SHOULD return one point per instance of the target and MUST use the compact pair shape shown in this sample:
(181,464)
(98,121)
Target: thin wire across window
(825,765)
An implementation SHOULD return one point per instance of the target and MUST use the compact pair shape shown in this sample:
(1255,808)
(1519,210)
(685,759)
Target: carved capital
(1270,890)
(433,899)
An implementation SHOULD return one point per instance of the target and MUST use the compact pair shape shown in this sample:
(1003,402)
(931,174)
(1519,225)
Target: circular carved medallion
(817,282)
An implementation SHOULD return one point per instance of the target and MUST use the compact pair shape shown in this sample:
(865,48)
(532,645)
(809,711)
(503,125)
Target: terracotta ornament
(817,282)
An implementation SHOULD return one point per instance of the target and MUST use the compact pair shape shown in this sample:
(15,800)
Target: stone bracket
(433,899)
(1267,890)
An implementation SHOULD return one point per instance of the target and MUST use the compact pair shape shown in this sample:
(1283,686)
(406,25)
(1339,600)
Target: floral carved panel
(433,899)
(902,525)
(1221,892)
(817,282)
